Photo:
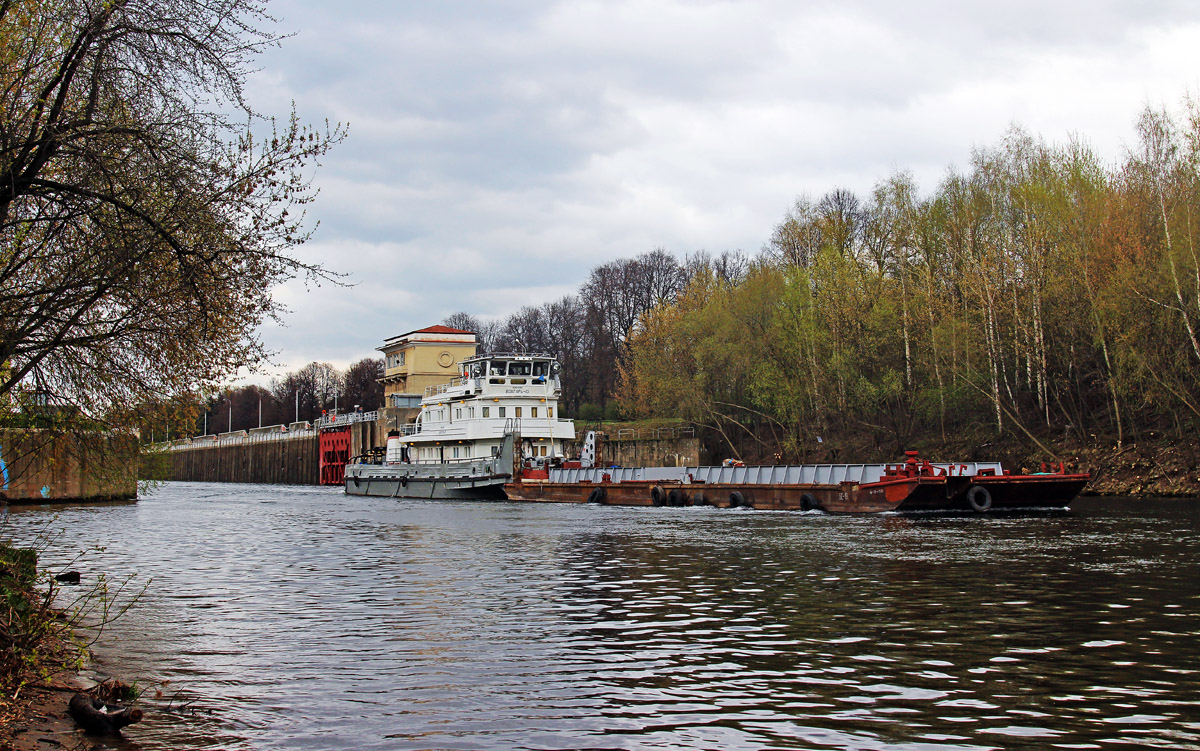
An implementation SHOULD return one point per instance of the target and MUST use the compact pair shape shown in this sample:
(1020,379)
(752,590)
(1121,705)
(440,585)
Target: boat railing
(795,474)
(493,380)
(457,462)
(442,388)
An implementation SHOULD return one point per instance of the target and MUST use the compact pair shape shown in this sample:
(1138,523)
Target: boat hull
(891,494)
(387,483)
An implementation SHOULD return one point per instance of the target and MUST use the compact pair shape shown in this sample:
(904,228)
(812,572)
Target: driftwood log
(98,718)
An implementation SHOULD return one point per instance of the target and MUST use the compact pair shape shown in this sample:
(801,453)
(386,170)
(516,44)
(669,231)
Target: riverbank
(39,720)
(39,654)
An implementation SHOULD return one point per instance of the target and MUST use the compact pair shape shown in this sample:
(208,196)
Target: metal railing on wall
(655,434)
(267,433)
(346,418)
(237,438)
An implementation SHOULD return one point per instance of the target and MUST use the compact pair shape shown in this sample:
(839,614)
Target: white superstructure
(468,418)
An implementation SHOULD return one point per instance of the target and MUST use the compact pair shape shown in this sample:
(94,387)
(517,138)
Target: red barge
(911,485)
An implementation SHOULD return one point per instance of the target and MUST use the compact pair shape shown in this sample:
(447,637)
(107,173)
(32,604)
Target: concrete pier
(42,466)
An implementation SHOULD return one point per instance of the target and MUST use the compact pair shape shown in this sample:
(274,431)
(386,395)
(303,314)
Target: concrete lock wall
(282,460)
(290,461)
(38,466)
(644,452)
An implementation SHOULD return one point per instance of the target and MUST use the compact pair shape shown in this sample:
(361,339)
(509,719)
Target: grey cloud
(498,151)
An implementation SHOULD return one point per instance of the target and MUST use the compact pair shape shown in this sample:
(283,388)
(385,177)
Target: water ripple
(300,618)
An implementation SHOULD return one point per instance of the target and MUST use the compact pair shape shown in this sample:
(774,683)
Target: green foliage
(1039,292)
(589,412)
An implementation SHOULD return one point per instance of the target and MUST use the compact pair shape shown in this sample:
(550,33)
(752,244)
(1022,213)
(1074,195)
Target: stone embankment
(41,466)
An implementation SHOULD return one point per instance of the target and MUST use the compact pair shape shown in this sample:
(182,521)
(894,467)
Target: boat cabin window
(550,413)
(533,411)
(541,369)
(518,368)
(487,411)
(497,368)
(502,411)
(517,412)
(476,370)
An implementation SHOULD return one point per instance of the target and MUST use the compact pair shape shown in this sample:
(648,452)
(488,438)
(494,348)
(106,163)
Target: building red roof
(439,329)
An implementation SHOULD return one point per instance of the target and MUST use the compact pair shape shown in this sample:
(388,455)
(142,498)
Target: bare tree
(730,267)
(841,217)
(362,386)
(462,321)
(798,237)
(141,228)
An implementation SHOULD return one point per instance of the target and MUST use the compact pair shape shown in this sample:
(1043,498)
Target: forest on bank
(1040,295)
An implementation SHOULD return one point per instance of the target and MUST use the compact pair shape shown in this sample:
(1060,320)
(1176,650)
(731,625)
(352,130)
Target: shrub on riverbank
(32,636)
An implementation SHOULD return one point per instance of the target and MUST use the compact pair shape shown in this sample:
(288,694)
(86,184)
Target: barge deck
(912,485)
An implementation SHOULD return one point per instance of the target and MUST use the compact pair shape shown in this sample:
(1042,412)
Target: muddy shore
(39,721)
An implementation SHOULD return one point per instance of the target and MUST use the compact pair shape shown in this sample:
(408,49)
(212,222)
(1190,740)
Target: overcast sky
(498,151)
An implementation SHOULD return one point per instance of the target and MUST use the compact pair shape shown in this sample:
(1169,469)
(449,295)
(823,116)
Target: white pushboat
(471,432)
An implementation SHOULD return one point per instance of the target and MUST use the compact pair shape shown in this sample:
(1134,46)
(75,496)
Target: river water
(299,618)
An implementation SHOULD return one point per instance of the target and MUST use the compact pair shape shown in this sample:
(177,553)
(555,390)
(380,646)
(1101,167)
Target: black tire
(676,497)
(808,502)
(698,499)
(657,496)
(980,498)
(596,496)
(736,499)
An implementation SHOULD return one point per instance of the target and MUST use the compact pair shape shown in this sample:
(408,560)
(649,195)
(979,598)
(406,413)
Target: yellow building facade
(416,360)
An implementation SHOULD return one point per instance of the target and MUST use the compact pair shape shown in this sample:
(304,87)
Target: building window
(486,411)
(533,411)
(516,411)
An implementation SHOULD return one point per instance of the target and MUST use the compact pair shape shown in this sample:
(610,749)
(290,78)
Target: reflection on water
(282,617)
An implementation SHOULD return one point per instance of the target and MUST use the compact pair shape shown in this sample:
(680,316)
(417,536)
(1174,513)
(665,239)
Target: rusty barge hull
(910,486)
(911,495)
